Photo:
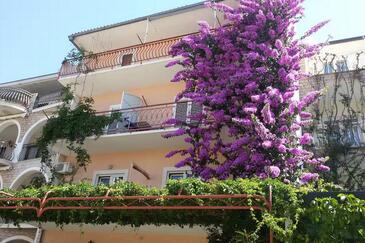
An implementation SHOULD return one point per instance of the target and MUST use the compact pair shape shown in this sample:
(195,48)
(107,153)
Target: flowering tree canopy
(245,75)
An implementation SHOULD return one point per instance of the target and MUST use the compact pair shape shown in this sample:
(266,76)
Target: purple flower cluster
(245,74)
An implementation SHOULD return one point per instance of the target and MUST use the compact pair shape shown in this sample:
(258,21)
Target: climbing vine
(71,125)
(290,219)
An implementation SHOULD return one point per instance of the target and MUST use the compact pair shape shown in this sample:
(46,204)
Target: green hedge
(288,219)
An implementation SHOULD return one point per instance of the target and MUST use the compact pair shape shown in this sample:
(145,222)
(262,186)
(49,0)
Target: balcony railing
(48,99)
(149,117)
(29,151)
(6,151)
(17,96)
(119,57)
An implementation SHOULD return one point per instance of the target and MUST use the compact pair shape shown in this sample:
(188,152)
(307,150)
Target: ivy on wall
(72,124)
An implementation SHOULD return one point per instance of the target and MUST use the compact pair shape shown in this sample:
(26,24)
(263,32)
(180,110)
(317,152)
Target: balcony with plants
(137,54)
(260,185)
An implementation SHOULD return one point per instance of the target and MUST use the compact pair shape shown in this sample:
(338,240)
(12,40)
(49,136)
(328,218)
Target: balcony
(137,54)
(49,99)
(15,101)
(6,154)
(140,128)
(141,118)
(121,69)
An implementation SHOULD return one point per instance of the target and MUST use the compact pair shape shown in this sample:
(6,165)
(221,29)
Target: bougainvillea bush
(246,74)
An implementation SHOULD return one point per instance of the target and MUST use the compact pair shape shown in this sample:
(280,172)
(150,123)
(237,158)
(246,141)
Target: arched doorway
(29,150)
(9,134)
(30,177)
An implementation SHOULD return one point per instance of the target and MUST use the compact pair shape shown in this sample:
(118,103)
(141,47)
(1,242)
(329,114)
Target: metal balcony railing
(48,99)
(17,96)
(119,57)
(149,117)
(6,151)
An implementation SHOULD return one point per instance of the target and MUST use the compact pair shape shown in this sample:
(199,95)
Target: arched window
(9,134)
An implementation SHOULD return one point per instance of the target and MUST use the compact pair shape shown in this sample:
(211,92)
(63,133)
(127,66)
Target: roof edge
(40,78)
(151,16)
(339,41)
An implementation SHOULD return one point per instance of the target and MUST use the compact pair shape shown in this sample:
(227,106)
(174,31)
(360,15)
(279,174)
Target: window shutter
(127,59)
(195,109)
(181,111)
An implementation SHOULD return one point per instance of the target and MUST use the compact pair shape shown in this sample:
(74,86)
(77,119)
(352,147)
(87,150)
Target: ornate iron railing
(6,151)
(119,57)
(149,117)
(140,118)
(16,96)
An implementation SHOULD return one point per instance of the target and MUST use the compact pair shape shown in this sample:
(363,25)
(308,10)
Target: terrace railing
(119,57)
(6,152)
(48,99)
(17,96)
(148,117)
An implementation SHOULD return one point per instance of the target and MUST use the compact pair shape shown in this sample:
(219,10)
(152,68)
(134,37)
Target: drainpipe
(146,31)
(38,235)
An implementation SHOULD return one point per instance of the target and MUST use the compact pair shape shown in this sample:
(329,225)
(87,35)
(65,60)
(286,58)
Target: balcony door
(130,101)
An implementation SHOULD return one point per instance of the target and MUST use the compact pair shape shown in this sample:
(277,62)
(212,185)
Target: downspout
(146,31)
(38,235)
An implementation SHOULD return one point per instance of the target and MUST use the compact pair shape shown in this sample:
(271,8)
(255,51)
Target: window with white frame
(341,66)
(328,68)
(173,173)
(110,177)
(353,135)
(346,132)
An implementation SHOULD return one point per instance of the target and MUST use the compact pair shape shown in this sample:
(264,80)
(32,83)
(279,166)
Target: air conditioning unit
(64,168)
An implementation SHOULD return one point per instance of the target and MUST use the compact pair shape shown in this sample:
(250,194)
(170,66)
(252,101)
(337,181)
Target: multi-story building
(123,68)
(24,107)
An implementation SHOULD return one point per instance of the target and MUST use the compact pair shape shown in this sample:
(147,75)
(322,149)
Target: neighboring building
(339,70)
(24,107)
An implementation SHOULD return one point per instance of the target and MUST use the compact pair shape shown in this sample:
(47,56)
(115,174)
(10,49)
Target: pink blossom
(308,177)
(274,171)
(246,76)
(267,144)
(306,138)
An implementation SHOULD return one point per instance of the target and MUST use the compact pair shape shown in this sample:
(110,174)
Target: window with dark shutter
(195,110)
(127,59)
(181,111)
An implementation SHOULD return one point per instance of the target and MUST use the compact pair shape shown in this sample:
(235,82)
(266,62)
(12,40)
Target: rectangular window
(176,175)
(173,173)
(127,59)
(341,66)
(353,135)
(109,178)
(328,68)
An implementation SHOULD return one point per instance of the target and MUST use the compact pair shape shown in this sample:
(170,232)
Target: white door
(131,101)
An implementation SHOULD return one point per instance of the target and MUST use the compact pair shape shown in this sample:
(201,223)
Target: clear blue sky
(33,33)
